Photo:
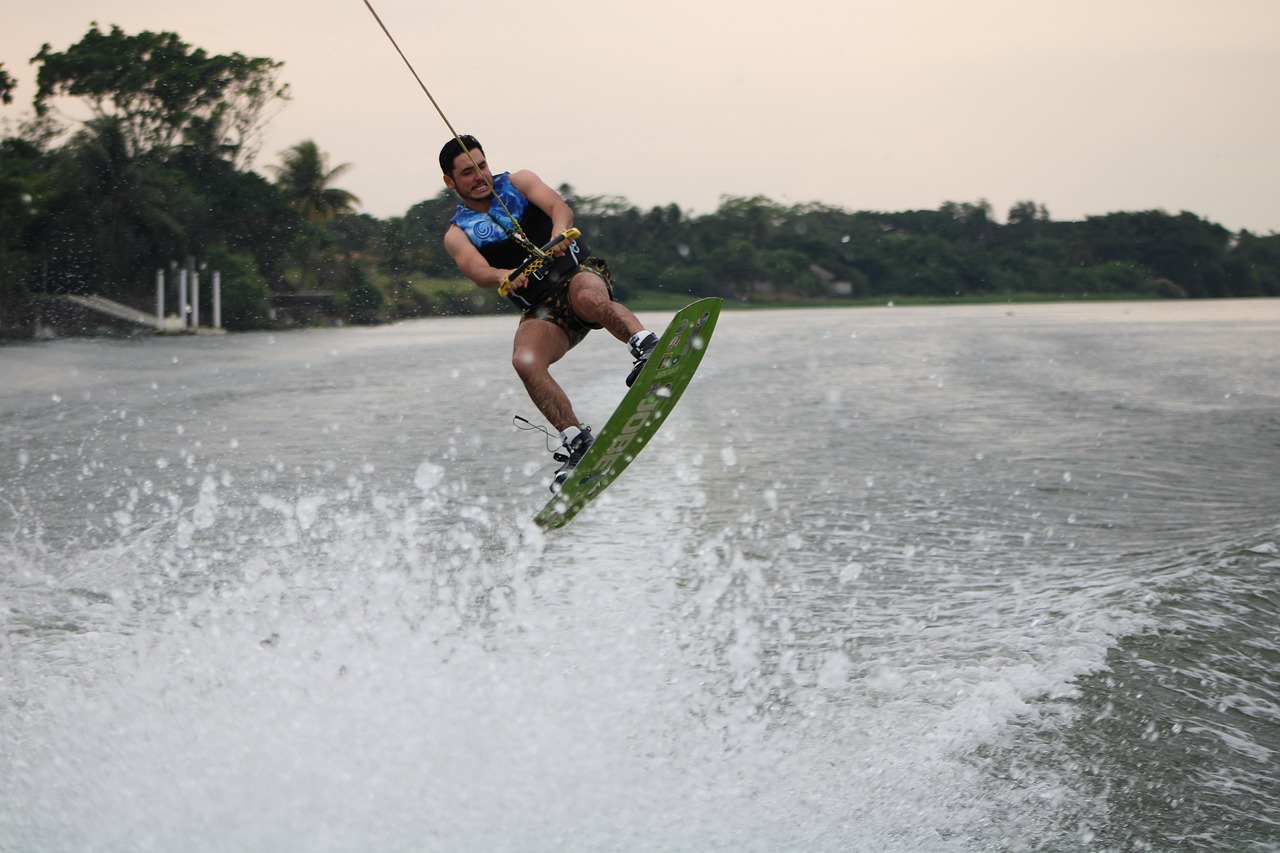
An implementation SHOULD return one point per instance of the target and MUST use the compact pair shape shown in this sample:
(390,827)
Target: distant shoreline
(654,302)
(650,301)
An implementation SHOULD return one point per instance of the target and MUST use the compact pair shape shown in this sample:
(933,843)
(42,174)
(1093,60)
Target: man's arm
(469,260)
(543,196)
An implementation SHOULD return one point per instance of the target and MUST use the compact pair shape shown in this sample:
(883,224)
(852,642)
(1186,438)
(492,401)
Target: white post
(217,300)
(182,296)
(195,299)
(160,300)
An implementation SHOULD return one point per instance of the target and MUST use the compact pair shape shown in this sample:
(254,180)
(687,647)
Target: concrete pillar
(195,299)
(160,300)
(217,300)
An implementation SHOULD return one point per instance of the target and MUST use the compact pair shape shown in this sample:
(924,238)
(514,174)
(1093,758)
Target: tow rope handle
(534,262)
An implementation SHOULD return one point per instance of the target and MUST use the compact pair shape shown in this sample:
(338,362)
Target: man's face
(468,181)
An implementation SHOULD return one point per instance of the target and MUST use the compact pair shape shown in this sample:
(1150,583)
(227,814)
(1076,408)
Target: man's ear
(448,182)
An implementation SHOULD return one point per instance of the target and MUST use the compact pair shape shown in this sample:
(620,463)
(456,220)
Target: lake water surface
(895,579)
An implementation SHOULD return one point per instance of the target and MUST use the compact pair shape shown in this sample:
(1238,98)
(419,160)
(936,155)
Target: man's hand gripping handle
(533,262)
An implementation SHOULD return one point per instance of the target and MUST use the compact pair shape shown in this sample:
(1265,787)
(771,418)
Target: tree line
(159,173)
(755,249)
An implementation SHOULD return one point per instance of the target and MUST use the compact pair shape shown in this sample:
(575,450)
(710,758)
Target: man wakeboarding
(499,223)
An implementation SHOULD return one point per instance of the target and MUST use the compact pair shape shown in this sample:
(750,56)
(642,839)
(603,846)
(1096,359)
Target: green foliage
(22,172)
(246,299)
(127,198)
(218,203)
(450,297)
(304,180)
(1184,249)
(7,85)
(158,176)
(154,177)
(160,89)
(755,250)
(1254,265)
(358,300)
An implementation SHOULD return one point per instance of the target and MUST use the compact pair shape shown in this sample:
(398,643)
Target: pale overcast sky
(1087,107)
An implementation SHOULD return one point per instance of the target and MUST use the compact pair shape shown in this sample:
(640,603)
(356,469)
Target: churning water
(926,579)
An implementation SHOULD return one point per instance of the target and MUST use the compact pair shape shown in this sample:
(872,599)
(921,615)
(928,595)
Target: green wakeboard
(642,411)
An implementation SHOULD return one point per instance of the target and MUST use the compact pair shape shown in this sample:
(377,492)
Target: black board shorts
(555,307)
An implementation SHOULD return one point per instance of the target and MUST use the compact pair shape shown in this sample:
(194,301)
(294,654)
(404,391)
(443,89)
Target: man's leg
(538,345)
(591,302)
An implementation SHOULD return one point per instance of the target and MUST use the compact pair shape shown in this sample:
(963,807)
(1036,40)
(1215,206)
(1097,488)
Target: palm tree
(304,179)
(130,197)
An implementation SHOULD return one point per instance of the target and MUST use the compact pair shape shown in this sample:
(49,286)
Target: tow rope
(516,232)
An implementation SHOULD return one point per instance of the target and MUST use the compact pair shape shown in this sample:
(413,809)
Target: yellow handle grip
(534,261)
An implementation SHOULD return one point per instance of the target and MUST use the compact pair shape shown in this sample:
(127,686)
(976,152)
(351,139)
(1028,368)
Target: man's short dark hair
(449,153)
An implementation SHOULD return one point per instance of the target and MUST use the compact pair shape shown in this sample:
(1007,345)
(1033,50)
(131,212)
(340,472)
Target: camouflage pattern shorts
(555,307)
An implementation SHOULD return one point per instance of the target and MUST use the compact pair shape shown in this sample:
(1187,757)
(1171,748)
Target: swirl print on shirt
(483,229)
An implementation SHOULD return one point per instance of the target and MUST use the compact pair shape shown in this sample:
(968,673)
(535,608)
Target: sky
(1088,107)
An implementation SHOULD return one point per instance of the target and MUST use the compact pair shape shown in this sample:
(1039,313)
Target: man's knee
(589,296)
(526,363)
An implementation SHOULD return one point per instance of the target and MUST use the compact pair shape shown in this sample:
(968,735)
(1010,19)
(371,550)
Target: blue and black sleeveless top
(490,233)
